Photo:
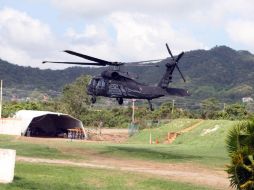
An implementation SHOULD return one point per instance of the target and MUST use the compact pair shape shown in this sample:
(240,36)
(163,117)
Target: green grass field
(206,141)
(204,145)
(161,132)
(194,146)
(50,177)
(208,149)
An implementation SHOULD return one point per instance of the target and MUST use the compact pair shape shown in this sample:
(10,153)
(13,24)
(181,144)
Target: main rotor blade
(170,52)
(142,65)
(73,63)
(180,73)
(179,56)
(147,61)
(176,63)
(88,57)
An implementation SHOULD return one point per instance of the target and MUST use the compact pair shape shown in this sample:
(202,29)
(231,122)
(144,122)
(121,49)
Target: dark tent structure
(47,124)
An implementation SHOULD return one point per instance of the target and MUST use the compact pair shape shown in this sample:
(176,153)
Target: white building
(247,99)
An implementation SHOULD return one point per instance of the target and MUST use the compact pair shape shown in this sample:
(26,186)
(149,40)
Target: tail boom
(176,92)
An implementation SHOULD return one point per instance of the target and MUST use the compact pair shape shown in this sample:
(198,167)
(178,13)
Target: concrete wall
(7,165)
(10,126)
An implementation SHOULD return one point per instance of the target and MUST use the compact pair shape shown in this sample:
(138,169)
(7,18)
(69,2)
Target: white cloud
(91,35)
(23,40)
(137,37)
(184,19)
(199,10)
(97,8)
(121,30)
(217,13)
(142,36)
(241,31)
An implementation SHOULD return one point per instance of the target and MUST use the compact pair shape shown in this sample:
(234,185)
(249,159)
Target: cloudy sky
(120,30)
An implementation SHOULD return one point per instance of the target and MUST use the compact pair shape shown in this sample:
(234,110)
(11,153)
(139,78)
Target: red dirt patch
(173,135)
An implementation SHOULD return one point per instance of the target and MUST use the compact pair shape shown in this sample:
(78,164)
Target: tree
(9,108)
(236,111)
(210,108)
(75,97)
(240,145)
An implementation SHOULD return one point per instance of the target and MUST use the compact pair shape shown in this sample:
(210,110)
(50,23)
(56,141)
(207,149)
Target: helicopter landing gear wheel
(150,105)
(93,99)
(120,101)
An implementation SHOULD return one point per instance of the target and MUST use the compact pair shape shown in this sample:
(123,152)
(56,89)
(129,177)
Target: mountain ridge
(220,72)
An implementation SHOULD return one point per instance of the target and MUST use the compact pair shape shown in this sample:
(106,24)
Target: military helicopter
(114,83)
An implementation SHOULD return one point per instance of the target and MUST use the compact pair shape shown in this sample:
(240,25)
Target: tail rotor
(176,61)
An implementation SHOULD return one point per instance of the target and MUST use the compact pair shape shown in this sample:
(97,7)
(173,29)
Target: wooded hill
(220,72)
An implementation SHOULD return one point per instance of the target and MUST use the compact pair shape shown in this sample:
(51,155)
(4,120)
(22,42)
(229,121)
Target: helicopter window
(94,82)
(99,84)
(102,83)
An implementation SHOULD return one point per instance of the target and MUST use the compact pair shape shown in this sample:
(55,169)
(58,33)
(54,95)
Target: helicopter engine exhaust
(110,74)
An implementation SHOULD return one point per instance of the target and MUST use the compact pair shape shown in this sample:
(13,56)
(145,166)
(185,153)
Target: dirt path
(191,127)
(179,172)
(173,135)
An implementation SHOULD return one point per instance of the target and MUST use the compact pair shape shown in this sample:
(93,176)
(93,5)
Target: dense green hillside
(15,76)
(221,72)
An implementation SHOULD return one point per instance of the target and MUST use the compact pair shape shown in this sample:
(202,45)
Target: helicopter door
(92,86)
(101,87)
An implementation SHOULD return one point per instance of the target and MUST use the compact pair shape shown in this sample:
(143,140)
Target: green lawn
(50,177)
(207,141)
(194,146)
(203,145)
(32,149)
(161,132)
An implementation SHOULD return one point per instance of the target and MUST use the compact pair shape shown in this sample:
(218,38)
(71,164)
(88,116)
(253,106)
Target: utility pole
(173,106)
(133,111)
(1,98)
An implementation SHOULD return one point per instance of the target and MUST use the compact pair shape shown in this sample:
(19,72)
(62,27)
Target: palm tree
(240,145)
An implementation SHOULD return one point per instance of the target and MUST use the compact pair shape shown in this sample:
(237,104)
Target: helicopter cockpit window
(94,82)
(101,84)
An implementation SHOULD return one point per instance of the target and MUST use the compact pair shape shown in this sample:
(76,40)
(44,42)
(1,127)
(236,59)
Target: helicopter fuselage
(123,88)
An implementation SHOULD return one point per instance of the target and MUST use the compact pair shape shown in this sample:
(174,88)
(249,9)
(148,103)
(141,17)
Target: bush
(240,145)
